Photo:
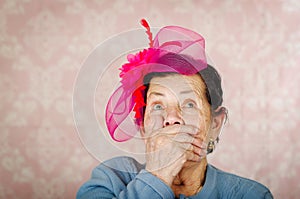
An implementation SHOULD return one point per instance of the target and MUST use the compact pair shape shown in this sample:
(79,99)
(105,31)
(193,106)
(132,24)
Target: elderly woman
(177,100)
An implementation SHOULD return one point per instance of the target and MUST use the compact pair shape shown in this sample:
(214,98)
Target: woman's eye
(157,107)
(190,105)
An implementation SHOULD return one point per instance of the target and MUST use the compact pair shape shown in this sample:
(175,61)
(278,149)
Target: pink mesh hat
(128,98)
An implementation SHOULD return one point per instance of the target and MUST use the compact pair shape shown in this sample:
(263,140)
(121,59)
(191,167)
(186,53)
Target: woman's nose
(173,116)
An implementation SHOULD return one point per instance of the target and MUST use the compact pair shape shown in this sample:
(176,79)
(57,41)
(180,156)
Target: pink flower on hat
(145,56)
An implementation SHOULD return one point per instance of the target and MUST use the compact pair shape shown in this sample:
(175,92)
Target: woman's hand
(170,147)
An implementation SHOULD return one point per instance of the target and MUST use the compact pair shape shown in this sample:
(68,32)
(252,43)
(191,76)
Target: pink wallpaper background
(255,45)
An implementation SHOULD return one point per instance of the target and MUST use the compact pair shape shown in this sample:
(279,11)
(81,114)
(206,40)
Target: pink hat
(129,97)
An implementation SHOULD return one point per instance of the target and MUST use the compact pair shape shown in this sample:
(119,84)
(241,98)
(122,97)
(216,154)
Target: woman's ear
(218,120)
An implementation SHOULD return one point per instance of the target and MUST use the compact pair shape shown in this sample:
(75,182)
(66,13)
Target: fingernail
(203,145)
(203,153)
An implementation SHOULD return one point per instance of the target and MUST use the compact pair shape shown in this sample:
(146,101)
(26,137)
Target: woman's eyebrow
(186,92)
(156,94)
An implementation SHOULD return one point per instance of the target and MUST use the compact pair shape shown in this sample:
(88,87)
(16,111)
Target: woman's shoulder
(232,184)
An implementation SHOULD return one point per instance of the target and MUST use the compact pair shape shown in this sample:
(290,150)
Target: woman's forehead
(179,83)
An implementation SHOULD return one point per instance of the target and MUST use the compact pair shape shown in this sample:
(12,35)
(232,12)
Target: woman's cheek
(197,121)
(153,122)
(191,118)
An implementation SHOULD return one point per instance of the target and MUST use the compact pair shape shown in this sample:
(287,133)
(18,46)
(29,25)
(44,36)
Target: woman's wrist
(167,179)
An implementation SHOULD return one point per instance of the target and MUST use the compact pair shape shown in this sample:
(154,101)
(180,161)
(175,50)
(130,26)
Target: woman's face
(177,99)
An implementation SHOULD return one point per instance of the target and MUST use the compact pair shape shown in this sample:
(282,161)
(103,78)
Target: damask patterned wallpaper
(255,45)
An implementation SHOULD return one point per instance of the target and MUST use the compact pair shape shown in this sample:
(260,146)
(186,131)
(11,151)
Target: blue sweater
(124,177)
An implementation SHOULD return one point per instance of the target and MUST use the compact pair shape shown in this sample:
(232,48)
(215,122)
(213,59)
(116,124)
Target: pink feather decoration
(149,33)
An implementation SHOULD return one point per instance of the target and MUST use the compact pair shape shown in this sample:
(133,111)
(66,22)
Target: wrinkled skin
(177,125)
